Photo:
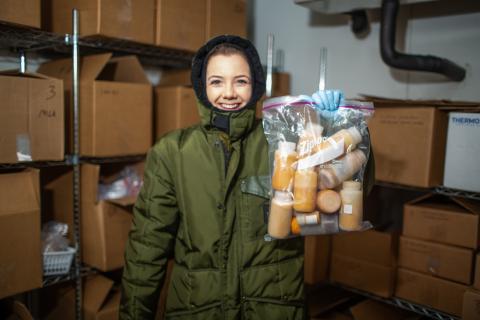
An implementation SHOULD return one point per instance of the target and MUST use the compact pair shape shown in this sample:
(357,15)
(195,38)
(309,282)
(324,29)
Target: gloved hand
(328,100)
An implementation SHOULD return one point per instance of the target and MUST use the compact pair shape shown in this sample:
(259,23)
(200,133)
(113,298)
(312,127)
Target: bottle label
(335,150)
(347,209)
(311,219)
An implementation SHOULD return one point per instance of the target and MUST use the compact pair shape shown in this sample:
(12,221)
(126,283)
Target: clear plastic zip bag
(317,160)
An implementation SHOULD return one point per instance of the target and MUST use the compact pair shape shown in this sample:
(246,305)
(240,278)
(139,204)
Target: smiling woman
(229,85)
(203,203)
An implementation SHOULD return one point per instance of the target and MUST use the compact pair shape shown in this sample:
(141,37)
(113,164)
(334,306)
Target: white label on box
(462,152)
(347,209)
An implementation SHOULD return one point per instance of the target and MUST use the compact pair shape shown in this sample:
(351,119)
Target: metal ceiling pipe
(394,59)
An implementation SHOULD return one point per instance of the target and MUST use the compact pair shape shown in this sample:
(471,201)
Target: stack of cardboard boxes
(179,24)
(471,298)
(31,129)
(436,251)
(365,261)
(20,258)
(420,144)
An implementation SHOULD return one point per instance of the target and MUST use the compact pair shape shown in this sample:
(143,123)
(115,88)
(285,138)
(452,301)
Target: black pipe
(409,61)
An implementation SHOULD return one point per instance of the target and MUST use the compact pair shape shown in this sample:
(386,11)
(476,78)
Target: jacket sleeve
(151,239)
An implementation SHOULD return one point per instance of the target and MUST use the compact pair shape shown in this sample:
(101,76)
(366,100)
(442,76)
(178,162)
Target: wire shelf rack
(29,39)
(438,189)
(52,280)
(410,306)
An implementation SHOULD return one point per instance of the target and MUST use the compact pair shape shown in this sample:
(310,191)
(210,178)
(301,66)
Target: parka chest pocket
(255,203)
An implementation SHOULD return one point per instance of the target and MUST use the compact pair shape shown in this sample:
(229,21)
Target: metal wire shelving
(404,304)
(20,38)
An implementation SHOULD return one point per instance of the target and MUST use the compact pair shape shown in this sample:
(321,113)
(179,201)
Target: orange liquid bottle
(284,166)
(305,190)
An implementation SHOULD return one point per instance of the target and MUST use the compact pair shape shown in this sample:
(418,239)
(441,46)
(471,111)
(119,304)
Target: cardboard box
(24,12)
(476,281)
(408,141)
(375,310)
(14,310)
(317,255)
(175,77)
(105,224)
(444,261)
(101,301)
(175,107)
(438,218)
(444,295)
(365,260)
(226,17)
(471,305)
(462,152)
(31,118)
(115,104)
(181,23)
(20,244)
(363,275)
(370,246)
(129,20)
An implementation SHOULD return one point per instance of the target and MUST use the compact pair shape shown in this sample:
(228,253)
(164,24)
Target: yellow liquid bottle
(305,190)
(284,166)
(351,212)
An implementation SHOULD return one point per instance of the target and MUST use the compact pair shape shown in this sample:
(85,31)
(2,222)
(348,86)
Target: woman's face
(229,84)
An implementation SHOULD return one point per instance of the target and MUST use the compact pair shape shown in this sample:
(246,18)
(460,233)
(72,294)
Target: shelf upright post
(323,69)
(23,62)
(76,165)
(269,81)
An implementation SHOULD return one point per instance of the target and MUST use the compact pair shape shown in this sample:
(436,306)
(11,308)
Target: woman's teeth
(229,106)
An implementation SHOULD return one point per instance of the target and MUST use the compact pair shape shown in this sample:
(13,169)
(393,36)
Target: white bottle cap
(286,147)
(352,185)
(283,197)
(356,135)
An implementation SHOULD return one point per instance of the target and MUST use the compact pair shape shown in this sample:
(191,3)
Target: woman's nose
(229,91)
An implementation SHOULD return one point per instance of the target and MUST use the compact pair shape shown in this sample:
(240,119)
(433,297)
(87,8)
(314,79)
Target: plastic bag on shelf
(54,237)
(127,184)
(317,159)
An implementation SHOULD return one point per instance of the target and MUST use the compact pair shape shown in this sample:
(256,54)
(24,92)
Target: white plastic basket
(56,263)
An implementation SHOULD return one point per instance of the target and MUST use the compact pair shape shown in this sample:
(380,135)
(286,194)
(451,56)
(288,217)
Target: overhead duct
(393,58)
(399,60)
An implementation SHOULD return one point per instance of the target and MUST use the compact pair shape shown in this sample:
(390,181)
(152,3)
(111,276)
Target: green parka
(203,202)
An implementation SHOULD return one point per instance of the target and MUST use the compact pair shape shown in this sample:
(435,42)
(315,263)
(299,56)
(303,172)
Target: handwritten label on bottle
(347,209)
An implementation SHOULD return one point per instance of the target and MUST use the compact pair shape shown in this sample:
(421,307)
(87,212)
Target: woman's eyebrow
(214,76)
(242,75)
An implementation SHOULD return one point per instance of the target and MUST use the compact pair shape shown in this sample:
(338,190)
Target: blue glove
(328,100)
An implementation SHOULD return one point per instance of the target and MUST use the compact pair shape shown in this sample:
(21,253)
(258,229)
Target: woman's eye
(243,81)
(215,82)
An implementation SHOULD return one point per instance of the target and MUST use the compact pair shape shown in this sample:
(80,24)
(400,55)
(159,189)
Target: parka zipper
(226,155)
